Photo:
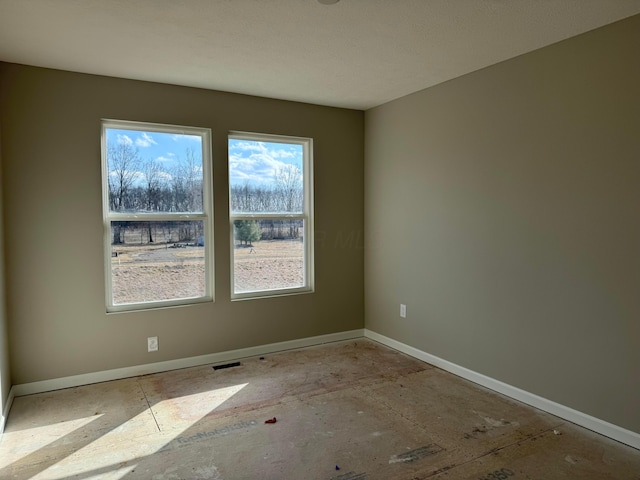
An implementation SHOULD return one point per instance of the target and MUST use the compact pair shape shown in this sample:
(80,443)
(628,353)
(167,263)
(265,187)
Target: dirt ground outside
(269,264)
(156,272)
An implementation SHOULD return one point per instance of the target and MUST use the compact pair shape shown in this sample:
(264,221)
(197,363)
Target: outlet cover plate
(152,344)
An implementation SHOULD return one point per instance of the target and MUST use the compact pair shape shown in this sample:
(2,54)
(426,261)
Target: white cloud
(256,168)
(285,154)
(164,159)
(249,146)
(179,136)
(124,140)
(145,140)
(135,175)
(293,152)
(257,162)
(167,177)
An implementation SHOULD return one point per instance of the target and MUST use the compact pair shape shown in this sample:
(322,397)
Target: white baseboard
(5,410)
(595,424)
(119,373)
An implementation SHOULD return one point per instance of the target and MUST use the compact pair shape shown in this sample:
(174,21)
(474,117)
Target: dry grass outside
(150,273)
(269,264)
(157,272)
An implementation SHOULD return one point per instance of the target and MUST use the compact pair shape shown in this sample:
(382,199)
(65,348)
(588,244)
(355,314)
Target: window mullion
(154,217)
(268,216)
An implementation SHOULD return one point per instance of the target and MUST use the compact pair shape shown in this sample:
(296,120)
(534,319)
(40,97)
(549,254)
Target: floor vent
(227,365)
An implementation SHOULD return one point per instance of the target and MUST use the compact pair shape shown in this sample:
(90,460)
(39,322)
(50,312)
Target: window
(157,207)
(271,213)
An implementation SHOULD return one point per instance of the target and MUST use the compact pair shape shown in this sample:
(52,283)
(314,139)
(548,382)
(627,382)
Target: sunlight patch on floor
(119,457)
(18,444)
(106,473)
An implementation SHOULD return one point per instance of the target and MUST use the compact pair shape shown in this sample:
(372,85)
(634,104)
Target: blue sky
(256,163)
(167,148)
(250,162)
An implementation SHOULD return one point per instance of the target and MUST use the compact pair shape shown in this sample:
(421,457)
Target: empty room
(319,239)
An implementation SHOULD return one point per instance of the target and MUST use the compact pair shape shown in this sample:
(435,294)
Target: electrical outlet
(152,344)
(403,310)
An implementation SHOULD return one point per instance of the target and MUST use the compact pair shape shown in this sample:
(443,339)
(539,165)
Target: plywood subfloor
(344,411)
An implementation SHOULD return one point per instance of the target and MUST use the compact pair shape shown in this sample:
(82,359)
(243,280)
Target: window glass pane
(268,255)
(265,177)
(156,261)
(151,171)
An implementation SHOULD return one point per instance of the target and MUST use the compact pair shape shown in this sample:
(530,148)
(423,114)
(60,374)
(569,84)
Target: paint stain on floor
(351,410)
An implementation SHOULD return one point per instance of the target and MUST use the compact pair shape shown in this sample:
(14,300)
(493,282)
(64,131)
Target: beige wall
(5,372)
(503,208)
(54,236)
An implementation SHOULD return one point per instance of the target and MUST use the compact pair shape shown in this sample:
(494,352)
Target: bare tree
(186,183)
(122,164)
(193,170)
(288,186)
(152,187)
(178,190)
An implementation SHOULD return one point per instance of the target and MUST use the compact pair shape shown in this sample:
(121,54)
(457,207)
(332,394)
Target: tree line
(141,232)
(145,185)
(284,195)
(249,231)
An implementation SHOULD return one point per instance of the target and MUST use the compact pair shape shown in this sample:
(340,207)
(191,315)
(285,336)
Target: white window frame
(306,216)
(206,216)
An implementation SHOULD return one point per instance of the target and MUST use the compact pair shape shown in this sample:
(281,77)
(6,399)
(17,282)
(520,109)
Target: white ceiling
(355,54)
